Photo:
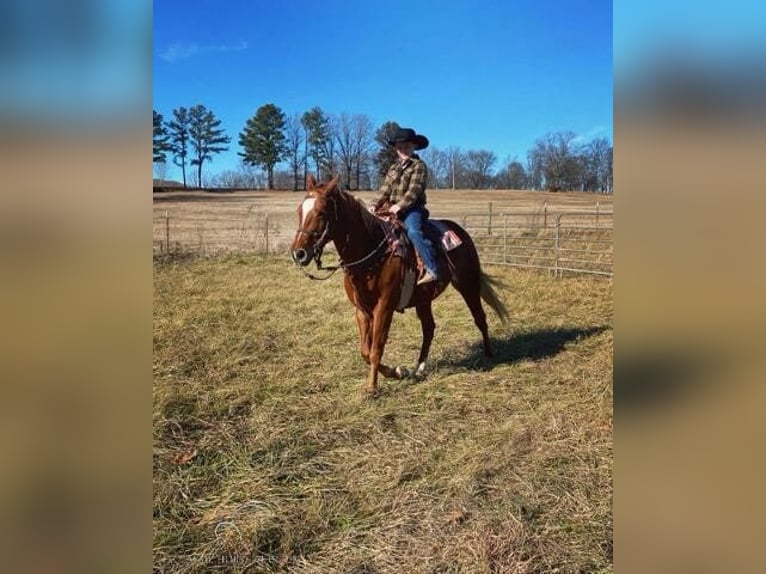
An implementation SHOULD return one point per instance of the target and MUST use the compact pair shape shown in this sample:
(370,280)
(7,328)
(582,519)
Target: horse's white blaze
(306,207)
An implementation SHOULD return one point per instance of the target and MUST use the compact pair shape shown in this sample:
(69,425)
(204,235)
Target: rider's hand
(394,209)
(373,208)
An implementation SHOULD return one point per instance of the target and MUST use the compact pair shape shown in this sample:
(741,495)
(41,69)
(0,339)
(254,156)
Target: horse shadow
(534,345)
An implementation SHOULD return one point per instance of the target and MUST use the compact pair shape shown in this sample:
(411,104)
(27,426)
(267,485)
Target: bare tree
(599,153)
(345,140)
(330,151)
(363,138)
(161,170)
(295,147)
(436,160)
(479,165)
(455,167)
(512,176)
(555,158)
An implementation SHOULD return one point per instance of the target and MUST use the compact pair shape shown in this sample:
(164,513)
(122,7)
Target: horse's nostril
(300,255)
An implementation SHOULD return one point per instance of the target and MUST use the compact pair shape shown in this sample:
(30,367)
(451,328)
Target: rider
(405,188)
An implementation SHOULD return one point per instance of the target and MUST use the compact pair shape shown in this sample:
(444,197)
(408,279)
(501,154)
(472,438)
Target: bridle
(325,236)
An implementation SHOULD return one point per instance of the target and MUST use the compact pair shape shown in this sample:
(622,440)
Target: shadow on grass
(534,345)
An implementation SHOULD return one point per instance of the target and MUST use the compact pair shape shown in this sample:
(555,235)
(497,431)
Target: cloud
(178,52)
(594,132)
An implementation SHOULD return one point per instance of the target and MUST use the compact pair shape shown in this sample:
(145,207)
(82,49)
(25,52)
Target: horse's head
(316,214)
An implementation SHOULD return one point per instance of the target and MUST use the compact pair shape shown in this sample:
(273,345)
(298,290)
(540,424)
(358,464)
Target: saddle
(442,238)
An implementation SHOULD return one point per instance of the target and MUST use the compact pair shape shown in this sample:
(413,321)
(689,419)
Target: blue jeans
(413,222)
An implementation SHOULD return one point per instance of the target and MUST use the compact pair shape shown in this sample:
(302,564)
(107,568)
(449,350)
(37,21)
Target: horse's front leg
(363,321)
(381,323)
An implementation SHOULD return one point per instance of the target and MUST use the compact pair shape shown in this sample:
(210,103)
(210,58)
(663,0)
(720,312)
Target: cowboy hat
(409,135)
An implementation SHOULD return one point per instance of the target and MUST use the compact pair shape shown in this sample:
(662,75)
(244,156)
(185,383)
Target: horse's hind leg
(472,296)
(426,316)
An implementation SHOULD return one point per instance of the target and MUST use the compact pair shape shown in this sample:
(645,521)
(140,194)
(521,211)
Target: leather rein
(324,239)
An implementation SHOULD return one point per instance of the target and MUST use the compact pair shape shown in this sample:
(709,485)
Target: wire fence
(573,241)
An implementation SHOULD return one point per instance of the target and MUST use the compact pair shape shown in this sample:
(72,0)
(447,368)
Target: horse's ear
(333,183)
(310,182)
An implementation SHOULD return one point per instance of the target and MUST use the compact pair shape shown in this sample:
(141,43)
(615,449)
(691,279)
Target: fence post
(598,206)
(266,233)
(489,225)
(556,248)
(167,232)
(545,214)
(505,238)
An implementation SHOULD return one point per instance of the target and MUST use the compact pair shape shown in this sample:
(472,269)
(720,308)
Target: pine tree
(386,154)
(206,137)
(160,139)
(317,126)
(179,139)
(263,140)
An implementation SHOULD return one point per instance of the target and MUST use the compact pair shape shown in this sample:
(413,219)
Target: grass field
(268,457)
(256,220)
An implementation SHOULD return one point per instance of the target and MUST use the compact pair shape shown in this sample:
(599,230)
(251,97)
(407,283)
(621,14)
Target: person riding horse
(404,187)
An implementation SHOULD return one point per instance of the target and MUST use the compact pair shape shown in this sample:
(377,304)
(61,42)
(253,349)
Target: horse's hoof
(372,393)
(420,372)
(402,373)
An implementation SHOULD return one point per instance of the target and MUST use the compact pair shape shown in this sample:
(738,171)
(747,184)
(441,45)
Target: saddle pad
(449,239)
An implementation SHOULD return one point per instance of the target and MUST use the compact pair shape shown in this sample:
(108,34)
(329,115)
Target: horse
(379,280)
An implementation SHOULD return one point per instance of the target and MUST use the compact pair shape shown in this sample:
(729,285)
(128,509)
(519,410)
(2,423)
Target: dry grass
(255,220)
(268,457)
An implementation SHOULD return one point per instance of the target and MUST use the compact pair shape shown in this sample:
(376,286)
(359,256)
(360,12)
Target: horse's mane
(371,222)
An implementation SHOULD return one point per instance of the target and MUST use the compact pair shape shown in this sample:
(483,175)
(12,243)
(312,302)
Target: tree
(599,155)
(353,135)
(556,160)
(455,167)
(479,167)
(316,125)
(329,154)
(362,141)
(160,139)
(512,176)
(178,130)
(385,156)
(206,137)
(295,142)
(436,160)
(263,140)
(345,146)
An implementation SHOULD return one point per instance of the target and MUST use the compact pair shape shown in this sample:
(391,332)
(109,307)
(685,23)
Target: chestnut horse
(375,272)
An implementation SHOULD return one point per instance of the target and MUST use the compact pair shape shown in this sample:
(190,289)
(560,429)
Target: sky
(479,74)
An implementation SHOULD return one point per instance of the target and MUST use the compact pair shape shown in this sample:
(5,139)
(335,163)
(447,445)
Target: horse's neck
(363,232)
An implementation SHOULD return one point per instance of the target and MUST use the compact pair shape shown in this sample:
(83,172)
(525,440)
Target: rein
(323,240)
(332,269)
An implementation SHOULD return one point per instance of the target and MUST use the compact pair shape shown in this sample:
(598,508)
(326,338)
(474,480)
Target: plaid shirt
(405,184)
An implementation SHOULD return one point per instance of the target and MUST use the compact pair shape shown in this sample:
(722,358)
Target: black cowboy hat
(409,135)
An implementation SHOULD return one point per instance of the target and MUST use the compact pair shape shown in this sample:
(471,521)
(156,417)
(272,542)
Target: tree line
(278,151)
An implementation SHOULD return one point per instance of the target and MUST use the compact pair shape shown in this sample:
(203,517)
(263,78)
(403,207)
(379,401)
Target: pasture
(265,220)
(268,457)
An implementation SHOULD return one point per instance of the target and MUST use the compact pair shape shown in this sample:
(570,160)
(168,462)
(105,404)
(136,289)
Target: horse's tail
(489,296)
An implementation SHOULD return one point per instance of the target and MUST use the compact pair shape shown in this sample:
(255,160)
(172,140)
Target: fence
(571,241)
(577,241)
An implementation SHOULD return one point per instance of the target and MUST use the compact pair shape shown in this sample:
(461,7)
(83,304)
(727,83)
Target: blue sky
(480,74)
